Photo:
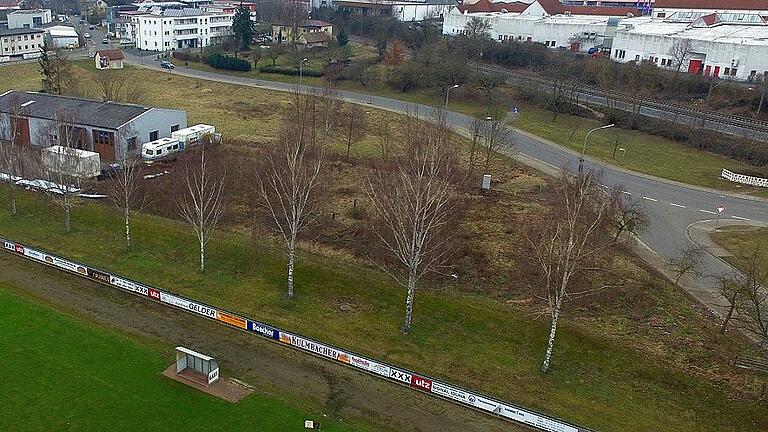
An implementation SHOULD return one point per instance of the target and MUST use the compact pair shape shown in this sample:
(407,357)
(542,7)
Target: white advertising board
(188,305)
(399,375)
(309,345)
(369,365)
(128,285)
(39,256)
(213,375)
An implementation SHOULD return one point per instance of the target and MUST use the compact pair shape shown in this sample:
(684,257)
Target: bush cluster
(221,61)
(283,70)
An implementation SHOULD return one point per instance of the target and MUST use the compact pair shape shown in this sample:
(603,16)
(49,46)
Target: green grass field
(63,374)
(742,242)
(602,377)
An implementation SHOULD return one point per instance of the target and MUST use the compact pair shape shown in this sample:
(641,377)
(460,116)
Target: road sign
(720,209)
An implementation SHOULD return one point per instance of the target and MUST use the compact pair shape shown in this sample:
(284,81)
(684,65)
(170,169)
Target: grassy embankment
(66,374)
(643,153)
(742,242)
(603,377)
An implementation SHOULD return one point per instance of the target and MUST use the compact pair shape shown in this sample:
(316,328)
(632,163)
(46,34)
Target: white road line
(739,218)
(625,192)
(650,199)
(677,205)
(707,211)
(602,185)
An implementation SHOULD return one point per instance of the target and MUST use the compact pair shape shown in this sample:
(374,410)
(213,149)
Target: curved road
(671,206)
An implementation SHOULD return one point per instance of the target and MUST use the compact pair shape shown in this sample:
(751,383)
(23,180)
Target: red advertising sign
(155,294)
(421,383)
(20,249)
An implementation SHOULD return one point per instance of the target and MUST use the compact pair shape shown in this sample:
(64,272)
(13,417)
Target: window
(131,145)
(154,135)
(733,72)
(159,152)
(174,128)
(175,147)
(637,57)
(554,43)
(661,15)
(727,71)
(149,152)
(102,137)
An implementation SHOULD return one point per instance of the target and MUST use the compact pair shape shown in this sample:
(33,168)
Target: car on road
(105,41)
(87,35)
(166,65)
(91,28)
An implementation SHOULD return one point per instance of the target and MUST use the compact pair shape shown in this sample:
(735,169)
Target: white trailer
(193,135)
(71,161)
(160,148)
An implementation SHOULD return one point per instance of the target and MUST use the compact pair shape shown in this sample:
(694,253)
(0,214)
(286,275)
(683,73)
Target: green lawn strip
(466,339)
(66,374)
(742,242)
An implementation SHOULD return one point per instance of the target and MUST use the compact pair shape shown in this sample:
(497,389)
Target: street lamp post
(301,72)
(584,148)
(448,90)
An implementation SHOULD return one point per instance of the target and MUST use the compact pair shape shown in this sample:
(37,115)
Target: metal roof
(19,31)
(108,115)
(193,353)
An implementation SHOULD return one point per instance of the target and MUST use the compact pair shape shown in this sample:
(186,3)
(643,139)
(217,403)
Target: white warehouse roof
(732,34)
(61,31)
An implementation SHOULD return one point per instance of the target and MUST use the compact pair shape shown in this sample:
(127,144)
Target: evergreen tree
(54,68)
(242,27)
(342,38)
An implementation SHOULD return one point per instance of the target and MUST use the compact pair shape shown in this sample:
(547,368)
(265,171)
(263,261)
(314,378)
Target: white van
(160,148)
(193,135)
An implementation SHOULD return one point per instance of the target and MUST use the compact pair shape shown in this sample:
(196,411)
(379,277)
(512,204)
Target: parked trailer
(71,161)
(193,135)
(160,148)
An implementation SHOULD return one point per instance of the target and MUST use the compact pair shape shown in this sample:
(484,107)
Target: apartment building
(29,18)
(21,42)
(171,29)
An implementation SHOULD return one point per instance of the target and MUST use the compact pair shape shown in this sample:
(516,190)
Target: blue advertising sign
(263,330)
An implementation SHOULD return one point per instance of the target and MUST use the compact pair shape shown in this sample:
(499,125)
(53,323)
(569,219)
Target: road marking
(677,205)
(707,211)
(650,199)
(625,192)
(739,218)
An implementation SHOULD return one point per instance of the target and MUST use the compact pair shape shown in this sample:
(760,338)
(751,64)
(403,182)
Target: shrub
(282,70)
(220,61)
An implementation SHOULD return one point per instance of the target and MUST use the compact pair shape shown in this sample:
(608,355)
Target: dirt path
(272,369)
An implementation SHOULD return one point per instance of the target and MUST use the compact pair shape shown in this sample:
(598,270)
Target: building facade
(62,36)
(667,8)
(29,18)
(114,130)
(22,42)
(171,29)
(283,33)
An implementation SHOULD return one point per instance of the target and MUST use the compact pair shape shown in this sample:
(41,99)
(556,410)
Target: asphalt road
(671,207)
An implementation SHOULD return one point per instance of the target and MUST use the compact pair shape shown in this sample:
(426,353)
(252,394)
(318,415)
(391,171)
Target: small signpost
(720,209)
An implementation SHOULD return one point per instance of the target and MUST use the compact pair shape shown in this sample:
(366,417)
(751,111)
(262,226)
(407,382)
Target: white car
(105,41)
(87,35)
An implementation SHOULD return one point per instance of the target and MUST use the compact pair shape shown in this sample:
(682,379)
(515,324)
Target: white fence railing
(744,179)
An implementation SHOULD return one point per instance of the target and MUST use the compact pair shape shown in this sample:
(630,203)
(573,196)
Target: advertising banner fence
(402,376)
(744,179)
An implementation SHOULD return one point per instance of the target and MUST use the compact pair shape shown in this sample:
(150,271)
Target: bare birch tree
(569,240)
(687,262)
(413,196)
(499,136)
(115,87)
(288,180)
(680,51)
(751,296)
(12,150)
(62,170)
(127,193)
(202,204)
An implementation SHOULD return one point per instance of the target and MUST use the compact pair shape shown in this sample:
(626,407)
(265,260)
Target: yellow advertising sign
(231,319)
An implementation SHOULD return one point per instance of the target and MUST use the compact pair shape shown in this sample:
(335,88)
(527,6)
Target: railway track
(678,114)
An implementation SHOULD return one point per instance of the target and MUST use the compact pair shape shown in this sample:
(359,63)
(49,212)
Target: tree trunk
(552,332)
(202,255)
(127,228)
(728,316)
(291,260)
(409,302)
(13,199)
(67,224)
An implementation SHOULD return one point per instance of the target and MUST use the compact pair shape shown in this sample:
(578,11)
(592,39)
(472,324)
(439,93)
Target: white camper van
(193,135)
(160,148)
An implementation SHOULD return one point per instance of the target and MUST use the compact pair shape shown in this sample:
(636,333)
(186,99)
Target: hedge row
(290,71)
(220,61)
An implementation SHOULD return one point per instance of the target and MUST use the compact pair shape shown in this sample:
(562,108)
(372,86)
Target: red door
(717,71)
(694,66)
(707,70)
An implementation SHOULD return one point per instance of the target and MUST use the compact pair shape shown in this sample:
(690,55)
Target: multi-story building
(284,32)
(170,29)
(29,18)
(22,42)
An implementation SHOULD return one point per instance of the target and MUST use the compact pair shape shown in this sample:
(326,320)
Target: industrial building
(724,38)
(29,18)
(62,36)
(113,130)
